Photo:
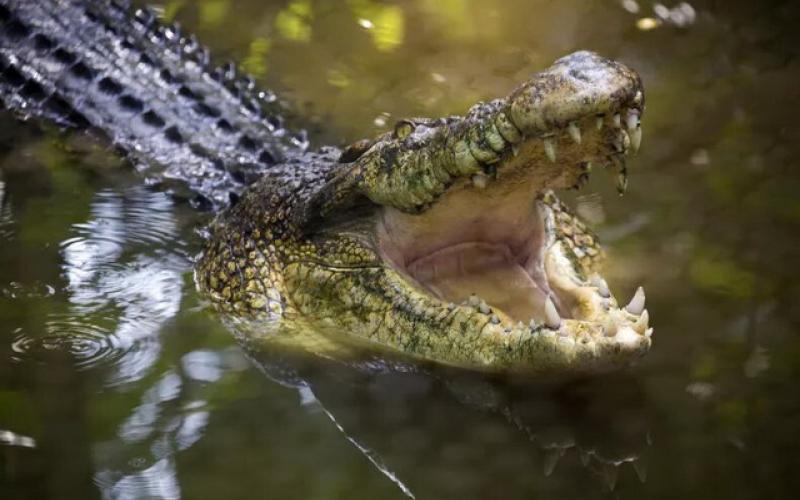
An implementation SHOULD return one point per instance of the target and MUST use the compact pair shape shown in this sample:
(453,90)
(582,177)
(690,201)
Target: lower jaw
(528,311)
(512,269)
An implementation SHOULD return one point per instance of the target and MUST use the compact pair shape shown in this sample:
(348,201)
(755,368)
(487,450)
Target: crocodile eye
(403,129)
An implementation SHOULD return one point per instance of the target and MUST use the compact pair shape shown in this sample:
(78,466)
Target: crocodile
(441,240)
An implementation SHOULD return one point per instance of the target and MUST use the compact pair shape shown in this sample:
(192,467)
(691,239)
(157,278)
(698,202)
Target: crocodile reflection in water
(596,428)
(388,240)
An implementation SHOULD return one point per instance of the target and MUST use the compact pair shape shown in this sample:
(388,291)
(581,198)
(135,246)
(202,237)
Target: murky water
(114,382)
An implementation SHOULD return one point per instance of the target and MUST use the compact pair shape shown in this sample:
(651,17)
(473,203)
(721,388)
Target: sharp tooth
(551,317)
(587,166)
(617,120)
(550,150)
(551,460)
(474,301)
(636,139)
(515,149)
(495,319)
(585,457)
(642,323)
(598,124)
(632,121)
(532,324)
(484,307)
(641,470)
(636,305)
(609,473)
(416,200)
(601,285)
(479,180)
(626,336)
(574,132)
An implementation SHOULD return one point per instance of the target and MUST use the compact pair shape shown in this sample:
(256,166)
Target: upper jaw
(422,159)
(575,86)
(582,111)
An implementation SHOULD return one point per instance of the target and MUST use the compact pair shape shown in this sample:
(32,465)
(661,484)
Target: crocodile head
(443,238)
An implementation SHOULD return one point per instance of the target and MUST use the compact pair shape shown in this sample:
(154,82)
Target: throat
(465,271)
(479,247)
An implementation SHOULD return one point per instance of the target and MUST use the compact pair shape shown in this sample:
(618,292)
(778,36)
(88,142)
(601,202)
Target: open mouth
(500,242)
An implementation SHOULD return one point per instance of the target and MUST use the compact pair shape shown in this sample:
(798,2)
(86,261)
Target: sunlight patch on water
(159,480)
(202,365)
(155,431)
(10,438)
(140,424)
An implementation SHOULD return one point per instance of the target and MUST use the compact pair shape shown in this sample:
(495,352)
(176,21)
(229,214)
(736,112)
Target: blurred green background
(115,383)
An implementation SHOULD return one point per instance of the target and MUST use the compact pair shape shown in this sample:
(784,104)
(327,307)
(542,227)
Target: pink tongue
(486,270)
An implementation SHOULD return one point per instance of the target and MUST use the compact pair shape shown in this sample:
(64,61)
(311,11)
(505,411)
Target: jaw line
(589,318)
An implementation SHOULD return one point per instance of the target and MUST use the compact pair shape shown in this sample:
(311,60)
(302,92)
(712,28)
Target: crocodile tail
(200,131)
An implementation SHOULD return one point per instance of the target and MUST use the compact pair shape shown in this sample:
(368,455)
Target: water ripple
(124,271)
(127,262)
(35,290)
(89,343)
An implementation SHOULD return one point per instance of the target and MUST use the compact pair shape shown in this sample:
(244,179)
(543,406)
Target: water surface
(116,383)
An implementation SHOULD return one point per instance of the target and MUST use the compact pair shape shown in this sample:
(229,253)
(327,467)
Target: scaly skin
(199,131)
(277,255)
(339,238)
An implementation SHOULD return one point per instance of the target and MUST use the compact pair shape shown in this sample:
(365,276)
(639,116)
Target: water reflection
(309,400)
(151,423)
(156,481)
(13,439)
(124,270)
(170,417)
(6,216)
(534,435)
